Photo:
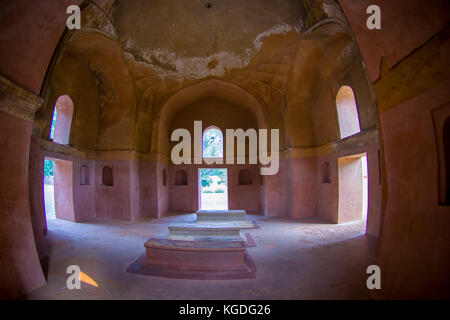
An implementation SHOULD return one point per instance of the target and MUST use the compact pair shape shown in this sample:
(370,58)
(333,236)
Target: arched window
(326,172)
(107,176)
(181,178)
(347,112)
(84,175)
(62,120)
(212,143)
(245,177)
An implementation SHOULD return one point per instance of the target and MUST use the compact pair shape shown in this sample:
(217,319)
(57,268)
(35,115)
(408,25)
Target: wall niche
(181,178)
(245,177)
(326,173)
(85,174)
(107,176)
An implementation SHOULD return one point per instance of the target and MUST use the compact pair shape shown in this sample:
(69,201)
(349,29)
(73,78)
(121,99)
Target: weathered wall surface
(19,260)
(25,58)
(406,25)
(83,195)
(185,198)
(72,77)
(64,190)
(408,60)
(148,194)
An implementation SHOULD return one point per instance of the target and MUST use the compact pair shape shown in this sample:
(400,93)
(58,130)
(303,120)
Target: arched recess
(211,88)
(62,120)
(245,177)
(347,112)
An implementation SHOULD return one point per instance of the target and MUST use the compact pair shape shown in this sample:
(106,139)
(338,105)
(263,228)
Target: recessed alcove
(164,177)
(347,112)
(85,175)
(311,70)
(245,177)
(181,178)
(107,177)
(326,172)
(61,120)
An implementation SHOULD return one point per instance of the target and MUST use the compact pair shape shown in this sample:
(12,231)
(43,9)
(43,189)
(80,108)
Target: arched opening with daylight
(347,112)
(212,143)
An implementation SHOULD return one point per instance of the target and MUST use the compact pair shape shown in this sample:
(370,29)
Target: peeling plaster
(193,68)
(281,28)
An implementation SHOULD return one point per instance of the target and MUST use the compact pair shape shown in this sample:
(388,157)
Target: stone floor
(294,260)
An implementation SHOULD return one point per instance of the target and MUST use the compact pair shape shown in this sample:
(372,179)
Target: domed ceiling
(199,38)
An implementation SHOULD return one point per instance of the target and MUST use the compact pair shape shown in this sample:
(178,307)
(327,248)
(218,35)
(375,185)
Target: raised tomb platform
(232,217)
(204,232)
(210,248)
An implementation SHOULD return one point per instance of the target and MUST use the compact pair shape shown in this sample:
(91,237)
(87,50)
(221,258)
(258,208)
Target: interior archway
(207,89)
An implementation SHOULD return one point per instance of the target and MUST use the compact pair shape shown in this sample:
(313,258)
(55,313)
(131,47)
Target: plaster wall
(19,261)
(400,33)
(407,60)
(350,189)
(115,201)
(148,194)
(163,191)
